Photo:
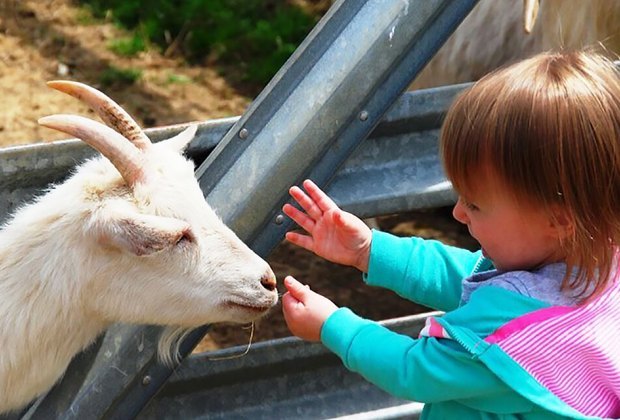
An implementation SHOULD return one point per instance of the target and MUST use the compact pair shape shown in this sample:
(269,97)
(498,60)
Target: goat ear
(181,140)
(141,234)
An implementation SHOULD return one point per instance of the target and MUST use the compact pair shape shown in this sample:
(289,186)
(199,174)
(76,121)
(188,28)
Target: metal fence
(334,113)
(394,170)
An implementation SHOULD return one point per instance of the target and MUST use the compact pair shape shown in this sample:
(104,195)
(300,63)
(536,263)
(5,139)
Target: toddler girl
(532,322)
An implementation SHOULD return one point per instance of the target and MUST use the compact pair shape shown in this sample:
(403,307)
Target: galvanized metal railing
(278,379)
(396,169)
(308,122)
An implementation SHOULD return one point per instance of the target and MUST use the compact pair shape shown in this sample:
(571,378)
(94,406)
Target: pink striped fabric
(432,328)
(573,353)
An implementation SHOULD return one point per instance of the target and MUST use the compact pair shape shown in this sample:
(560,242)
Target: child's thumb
(343,221)
(295,288)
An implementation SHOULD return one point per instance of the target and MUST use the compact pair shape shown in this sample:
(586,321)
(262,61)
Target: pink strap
(521,322)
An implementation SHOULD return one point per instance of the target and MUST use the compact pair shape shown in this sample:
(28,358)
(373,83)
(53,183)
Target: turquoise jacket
(452,377)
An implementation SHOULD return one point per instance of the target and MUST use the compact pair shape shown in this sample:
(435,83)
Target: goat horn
(109,111)
(125,157)
(530,12)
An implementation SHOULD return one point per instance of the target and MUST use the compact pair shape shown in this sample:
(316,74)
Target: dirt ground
(47,40)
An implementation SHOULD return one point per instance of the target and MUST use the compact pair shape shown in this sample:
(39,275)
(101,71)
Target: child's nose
(459,213)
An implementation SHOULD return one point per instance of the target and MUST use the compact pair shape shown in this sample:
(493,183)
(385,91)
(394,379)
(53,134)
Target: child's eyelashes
(469,205)
(472,206)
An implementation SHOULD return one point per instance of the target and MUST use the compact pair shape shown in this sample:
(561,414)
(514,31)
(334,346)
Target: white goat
(128,238)
(493,35)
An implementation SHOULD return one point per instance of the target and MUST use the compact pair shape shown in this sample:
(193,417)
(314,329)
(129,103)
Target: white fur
(493,35)
(92,252)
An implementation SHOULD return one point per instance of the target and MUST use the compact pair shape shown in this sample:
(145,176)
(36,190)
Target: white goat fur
(93,251)
(492,35)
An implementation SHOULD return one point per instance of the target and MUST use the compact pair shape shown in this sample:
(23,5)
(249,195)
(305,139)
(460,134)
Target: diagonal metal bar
(313,114)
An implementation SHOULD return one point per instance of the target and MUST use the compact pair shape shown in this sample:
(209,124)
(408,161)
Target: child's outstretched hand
(305,311)
(333,234)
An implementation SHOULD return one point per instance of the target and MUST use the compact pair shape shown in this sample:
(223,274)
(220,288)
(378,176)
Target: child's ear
(562,222)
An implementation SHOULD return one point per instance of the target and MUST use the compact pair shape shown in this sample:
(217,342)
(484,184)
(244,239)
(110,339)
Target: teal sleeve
(424,271)
(427,370)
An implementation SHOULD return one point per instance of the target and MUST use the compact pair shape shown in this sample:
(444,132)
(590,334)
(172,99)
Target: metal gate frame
(310,118)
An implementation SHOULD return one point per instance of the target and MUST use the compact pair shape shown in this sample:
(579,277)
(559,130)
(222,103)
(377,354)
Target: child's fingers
(318,196)
(289,302)
(304,241)
(297,290)
(293,311)
(299,217)
(306,203)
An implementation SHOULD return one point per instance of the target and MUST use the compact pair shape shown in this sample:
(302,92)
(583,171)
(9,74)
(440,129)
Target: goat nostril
(269,281)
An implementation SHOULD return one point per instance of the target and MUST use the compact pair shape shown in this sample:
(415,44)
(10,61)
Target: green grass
(180,79)
(128,46)
(254,36)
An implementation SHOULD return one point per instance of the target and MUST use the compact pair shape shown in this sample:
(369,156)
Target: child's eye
(472,206)
(468,205)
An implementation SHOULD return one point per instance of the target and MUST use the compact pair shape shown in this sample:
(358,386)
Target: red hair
(549,129)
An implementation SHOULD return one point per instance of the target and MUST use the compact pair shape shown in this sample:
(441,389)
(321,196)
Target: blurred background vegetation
(250,38)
